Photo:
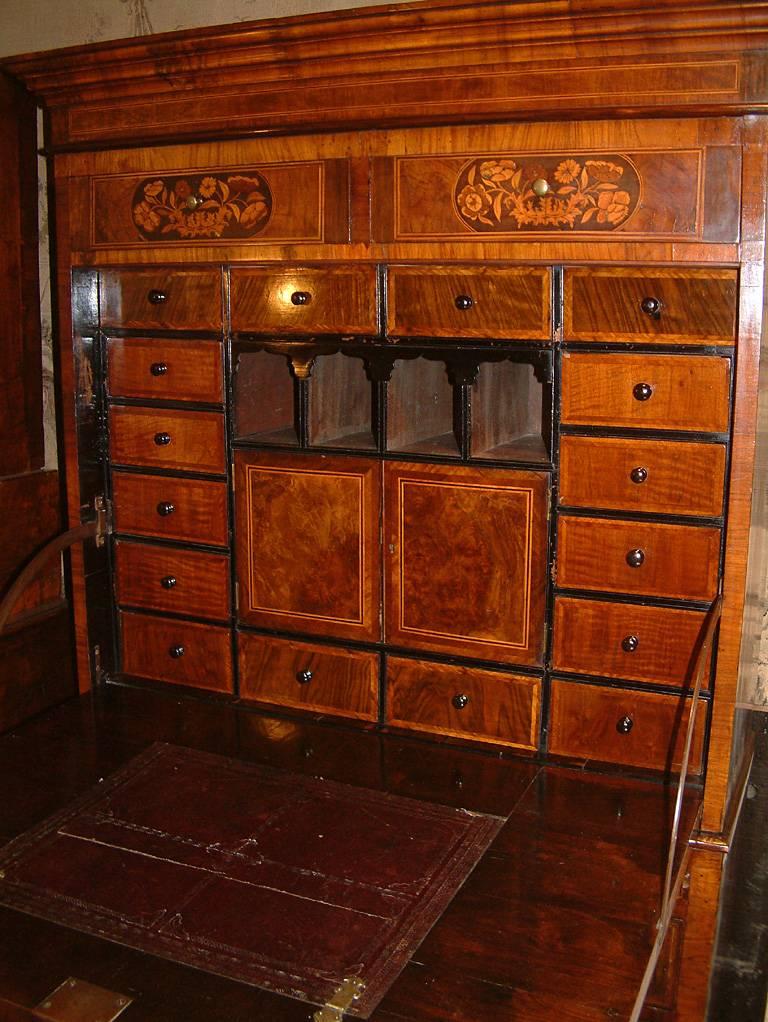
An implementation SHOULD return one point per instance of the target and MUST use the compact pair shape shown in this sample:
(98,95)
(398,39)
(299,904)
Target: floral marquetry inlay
(500,194)
(202,206)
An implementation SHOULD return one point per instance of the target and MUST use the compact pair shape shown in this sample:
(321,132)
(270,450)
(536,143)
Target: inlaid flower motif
(473,201)
(602,170)
(153,188)
(182,190)
(207,187)
(613,207)
(567,171)
(497,170)
(145,217)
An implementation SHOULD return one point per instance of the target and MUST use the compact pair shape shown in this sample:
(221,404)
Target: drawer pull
(157,297)
(176,652)
(463,302)
(159,368)
(638,475)
(540,187)
(635,558)
(301,298)
(630,643)
(165,508)
(162,439)
(624,725)
(168,582)
(304,677)
(642,391)
(652,307)
(459,701)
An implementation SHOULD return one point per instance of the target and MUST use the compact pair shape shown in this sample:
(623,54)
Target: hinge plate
(343,998)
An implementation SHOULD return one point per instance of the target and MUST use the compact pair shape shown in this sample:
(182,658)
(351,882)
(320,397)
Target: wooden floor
(556,922)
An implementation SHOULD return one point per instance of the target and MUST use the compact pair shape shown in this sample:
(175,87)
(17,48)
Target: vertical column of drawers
(168,454)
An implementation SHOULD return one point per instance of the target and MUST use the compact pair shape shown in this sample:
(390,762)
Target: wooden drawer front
(469,302)
(588,722)
(297,300)
(176,581)
(463,701)
(677,561)
(137,436)
(161,299)
(164,369)
(191,510)
(683,306)
(177,651)
(309,677)
(655,645)
(688,392)
(642,475)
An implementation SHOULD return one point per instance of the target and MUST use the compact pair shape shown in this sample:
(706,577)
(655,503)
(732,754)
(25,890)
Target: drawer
(464,701)
(190,510)
(457,301)
(309,677)
(655,645)
(161,299)
(181,652)
(664,477)
(676,561)
(300,300)
(165,370)
(683,392)
(167,438)
(610,725)
(650,305)
(173,580)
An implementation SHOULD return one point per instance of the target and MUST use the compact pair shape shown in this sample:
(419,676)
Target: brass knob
(165,508)
(304,677)
(162,439)
(459,701)
(168,582)
(463,302)
(630,643)
(176,652)
(638,475)
(301,298)
(635,558)
(642,391)
(624,725)
(157,297)
(652,307)
(540,187)
(193,202)
(159,368)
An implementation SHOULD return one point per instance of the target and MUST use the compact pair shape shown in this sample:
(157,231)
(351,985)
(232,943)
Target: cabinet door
(466,560)
(308,543)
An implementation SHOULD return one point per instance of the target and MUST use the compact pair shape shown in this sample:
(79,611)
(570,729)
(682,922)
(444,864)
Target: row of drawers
(610,305)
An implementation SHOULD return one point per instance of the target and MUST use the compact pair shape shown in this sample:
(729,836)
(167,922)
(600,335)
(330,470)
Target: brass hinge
(103,510)
(343,998)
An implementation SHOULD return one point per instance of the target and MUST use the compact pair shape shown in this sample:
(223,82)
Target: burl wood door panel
(166,507)
(655,645)
(307,676)
(173,580)
(676,478)
(164,369)
(679,392)
(308,543)
(179,652)
(662,306)
(161,299)
(463,701)
(466,556)
(638,558)
(169,438)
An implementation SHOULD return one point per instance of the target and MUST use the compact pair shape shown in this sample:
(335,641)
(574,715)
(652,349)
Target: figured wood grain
(689,392)
(199,512)
(681,478)
(344,682)
(202,580)
(196,445)
(588,636)
(194,369)
(193,299)
(501,707)
(680,561)
(340,403)
(264,396)
(206,660)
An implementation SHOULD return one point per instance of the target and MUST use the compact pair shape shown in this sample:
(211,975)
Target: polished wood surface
(178,652)
(187,510)
(466,702)
(193,369)
(191,299)
(642,475)
(684,306)
(688,393)
(196,438)
(172,580)
(306,676)
(678,561)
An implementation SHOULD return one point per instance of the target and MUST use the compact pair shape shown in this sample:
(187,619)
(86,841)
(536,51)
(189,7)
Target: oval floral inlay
(210,205)
(585,192)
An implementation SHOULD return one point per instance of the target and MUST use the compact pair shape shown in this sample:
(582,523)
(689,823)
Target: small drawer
(189,510)
(463,701)
(167,438)
(654,305)
(176,581)
(655,645)
(300,300)
(643,558)
(180,652)
(165,370)
(485,302)
(676,478)
(161,299)
(681,392)
(610,725)
(306,676)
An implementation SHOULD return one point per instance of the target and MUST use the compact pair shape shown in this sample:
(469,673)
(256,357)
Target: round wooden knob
(165,508)
(162,439)
(624,725)
(168,582)
(630,643)
(638,475)
(463,302)
(459,701)
(157,297)
(159,368)
(635,558)
(176,652)
(642,391)
(651,307)
(304,677)
(301,298)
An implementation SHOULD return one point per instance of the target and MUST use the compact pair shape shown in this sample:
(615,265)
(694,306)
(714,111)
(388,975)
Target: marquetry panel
(179,652)
(164,369)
